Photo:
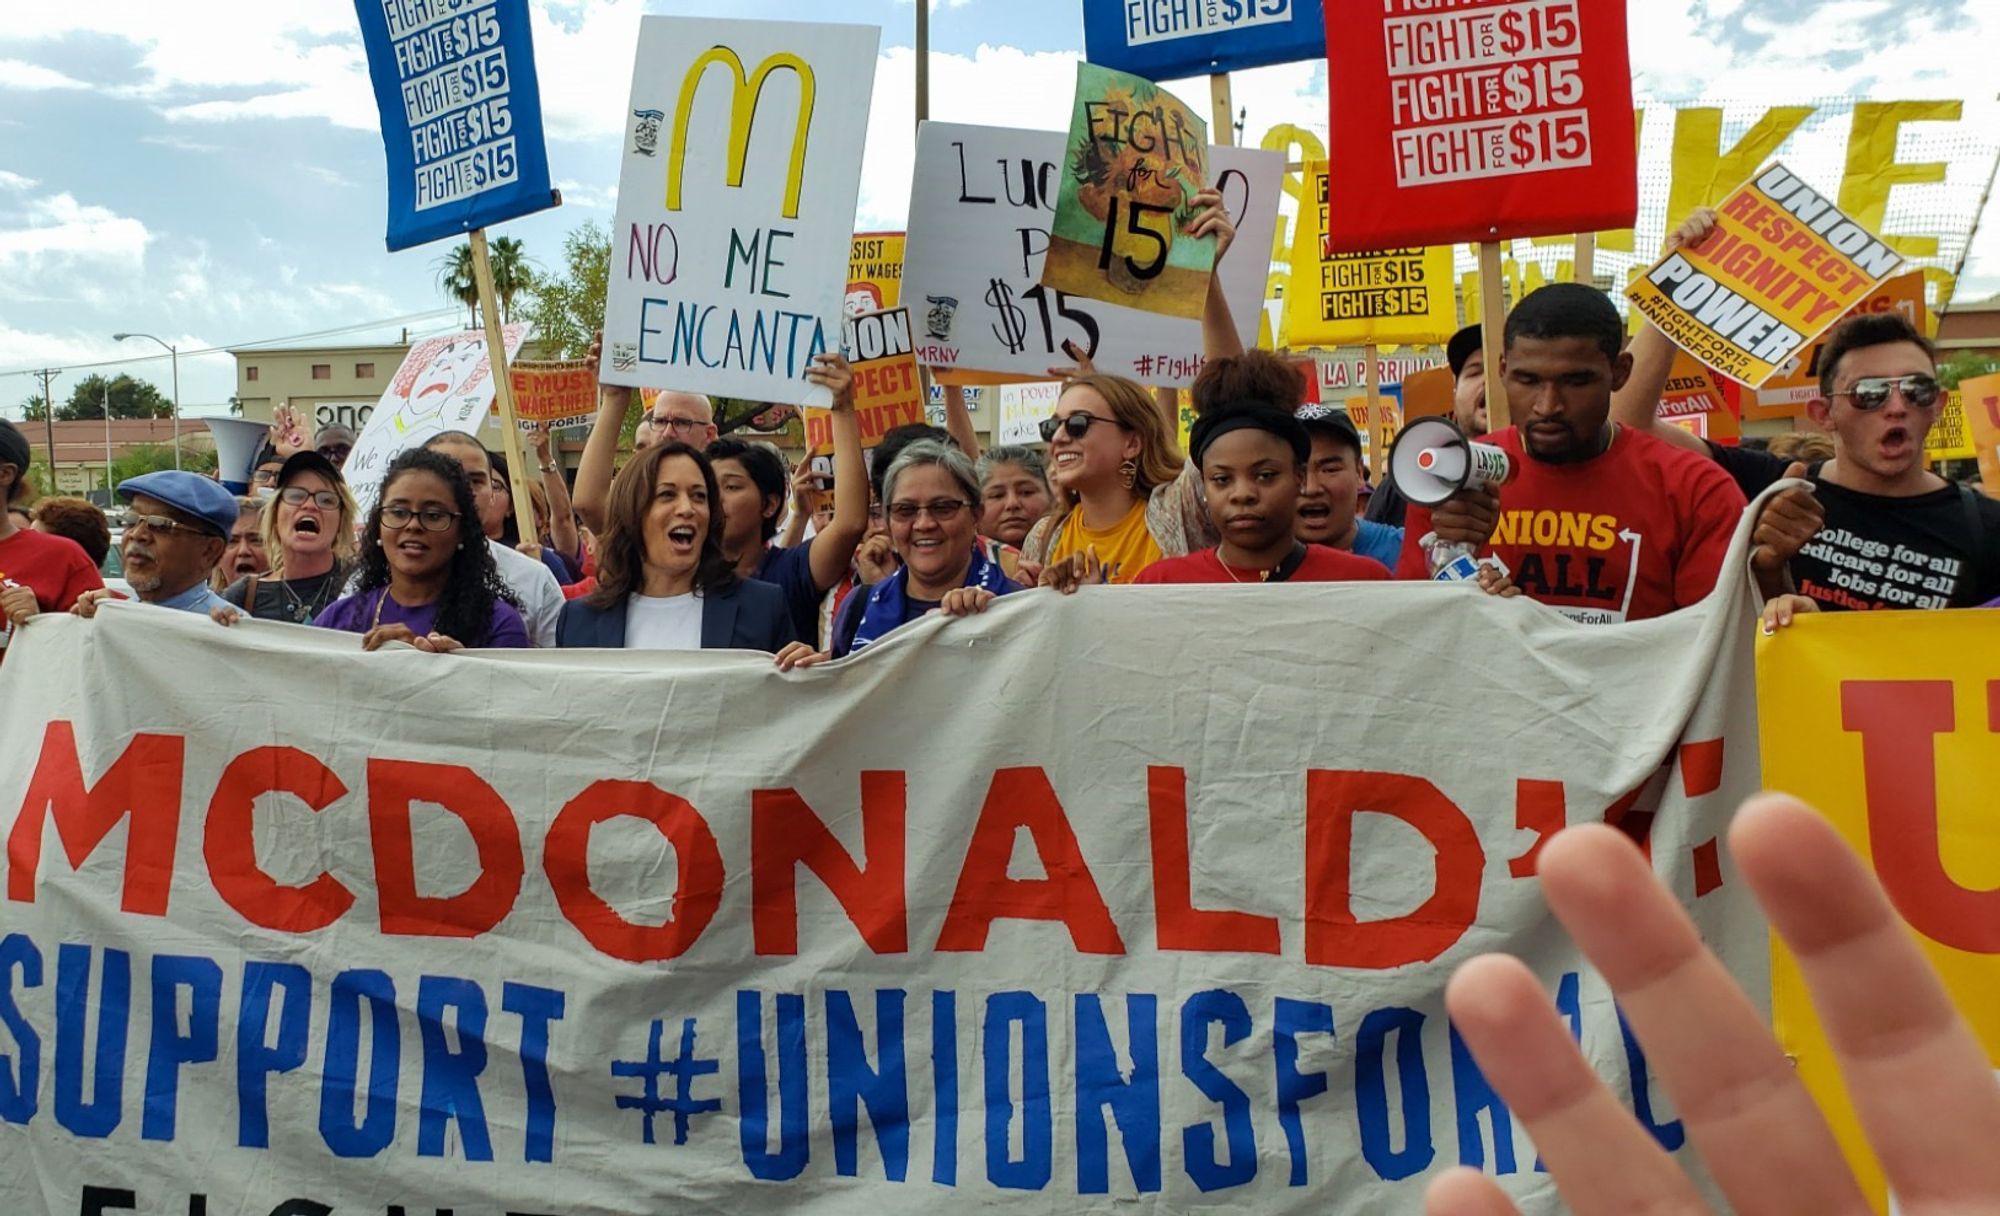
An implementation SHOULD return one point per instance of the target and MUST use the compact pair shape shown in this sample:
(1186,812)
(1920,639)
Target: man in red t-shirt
(1602,523)
(1252,458)
(48,572)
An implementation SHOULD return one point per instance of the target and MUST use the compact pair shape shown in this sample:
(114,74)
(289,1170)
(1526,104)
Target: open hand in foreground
(1920,1082)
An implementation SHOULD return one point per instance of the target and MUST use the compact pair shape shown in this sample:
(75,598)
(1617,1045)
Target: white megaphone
(237,442)
(1433,460)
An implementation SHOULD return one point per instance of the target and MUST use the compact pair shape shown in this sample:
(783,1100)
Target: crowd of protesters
(704,540)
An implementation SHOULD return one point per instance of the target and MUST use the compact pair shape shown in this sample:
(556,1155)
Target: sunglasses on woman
(943,510)
(1076,426)
(1871,393)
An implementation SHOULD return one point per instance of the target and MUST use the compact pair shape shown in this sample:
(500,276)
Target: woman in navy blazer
(662,581)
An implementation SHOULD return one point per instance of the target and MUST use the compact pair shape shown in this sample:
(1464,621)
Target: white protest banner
(729,251)
(981,203)
(444,384)
(1022,409)
(772,946)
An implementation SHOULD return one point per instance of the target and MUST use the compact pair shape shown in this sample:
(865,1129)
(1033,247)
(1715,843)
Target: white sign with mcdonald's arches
(742,165)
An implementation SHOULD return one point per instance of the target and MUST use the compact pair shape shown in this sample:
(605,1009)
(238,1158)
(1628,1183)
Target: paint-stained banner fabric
(1081,901)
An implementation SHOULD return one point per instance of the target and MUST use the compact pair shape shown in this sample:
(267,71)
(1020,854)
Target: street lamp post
(175,353)
(107,445)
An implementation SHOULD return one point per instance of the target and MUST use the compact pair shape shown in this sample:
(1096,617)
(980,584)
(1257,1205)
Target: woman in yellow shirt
(1121,502)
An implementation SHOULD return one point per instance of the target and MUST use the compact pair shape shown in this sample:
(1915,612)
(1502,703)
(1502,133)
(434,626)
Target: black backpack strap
(1290,566)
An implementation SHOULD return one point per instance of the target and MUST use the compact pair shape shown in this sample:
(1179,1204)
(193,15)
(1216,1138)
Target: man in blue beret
(180,525)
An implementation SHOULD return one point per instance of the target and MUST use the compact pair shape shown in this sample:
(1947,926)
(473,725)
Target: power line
(359,327)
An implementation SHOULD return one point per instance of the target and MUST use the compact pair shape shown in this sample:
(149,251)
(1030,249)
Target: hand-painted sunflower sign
(1136,158)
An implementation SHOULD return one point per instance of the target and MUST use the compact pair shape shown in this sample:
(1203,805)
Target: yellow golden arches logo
(749,89)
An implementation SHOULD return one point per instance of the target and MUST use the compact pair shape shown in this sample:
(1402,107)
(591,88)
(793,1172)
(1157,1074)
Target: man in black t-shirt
(1878,530)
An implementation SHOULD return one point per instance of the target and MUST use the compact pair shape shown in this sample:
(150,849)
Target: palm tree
(456,280)
(512,273)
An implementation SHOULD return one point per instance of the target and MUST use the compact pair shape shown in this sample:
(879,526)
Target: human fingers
(1084,366)
(1464,1191)
(1921,1084)
(382,635)
(222,615)
(1601,1159)
(789,657)
(1756,1126)
(1694,229)
(965,601)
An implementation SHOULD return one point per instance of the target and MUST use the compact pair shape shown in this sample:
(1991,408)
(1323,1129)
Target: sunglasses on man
(1871,393)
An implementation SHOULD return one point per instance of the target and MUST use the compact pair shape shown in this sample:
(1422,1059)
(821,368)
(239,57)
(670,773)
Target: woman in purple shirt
(426,575)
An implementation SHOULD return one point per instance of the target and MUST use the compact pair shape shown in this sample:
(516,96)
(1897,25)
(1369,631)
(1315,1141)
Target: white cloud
(55,232)
(596,198)
(180,144)
(328,82)
(14,181)
(33,77)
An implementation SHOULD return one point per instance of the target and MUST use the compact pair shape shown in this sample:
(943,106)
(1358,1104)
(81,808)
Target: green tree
(129,398)
(513,274)
(567,307)
(1966,365)
(152,457)
(34,409)
(41,481)
(457,282)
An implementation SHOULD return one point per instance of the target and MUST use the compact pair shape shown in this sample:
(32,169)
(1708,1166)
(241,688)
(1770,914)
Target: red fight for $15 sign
(1467,120)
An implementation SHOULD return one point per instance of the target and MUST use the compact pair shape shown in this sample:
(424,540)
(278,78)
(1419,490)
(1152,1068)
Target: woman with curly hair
(426,575)
(663,579)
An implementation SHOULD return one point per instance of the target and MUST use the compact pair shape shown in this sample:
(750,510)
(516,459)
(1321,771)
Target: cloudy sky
(210,171)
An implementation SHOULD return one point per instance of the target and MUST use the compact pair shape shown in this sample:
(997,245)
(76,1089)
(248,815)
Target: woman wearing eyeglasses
(1121,503)
(663,579)
(426,575)
(932,494)
(308,531)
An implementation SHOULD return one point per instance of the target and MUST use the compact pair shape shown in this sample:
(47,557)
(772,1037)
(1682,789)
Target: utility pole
(49,416)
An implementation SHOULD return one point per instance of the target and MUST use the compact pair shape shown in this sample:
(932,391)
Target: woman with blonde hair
(1122,501)
(309,537)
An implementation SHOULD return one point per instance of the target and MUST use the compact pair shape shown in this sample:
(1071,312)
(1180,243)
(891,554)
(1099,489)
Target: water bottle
(6,623)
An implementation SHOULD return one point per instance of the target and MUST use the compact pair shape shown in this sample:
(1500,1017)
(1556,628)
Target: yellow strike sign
(1889,723)
(875,272)
(1380,297)
(745,92)
(1982,417)
(1782,265)
(1950,437)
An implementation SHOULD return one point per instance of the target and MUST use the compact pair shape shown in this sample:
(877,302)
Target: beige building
(325,384)
(85,450)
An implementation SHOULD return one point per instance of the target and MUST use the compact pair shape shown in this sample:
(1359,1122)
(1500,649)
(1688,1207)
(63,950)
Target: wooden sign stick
(503,390)
(1492,316)
(1372,377)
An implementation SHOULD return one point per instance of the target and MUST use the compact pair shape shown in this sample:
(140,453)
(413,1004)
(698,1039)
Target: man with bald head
(676,417)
